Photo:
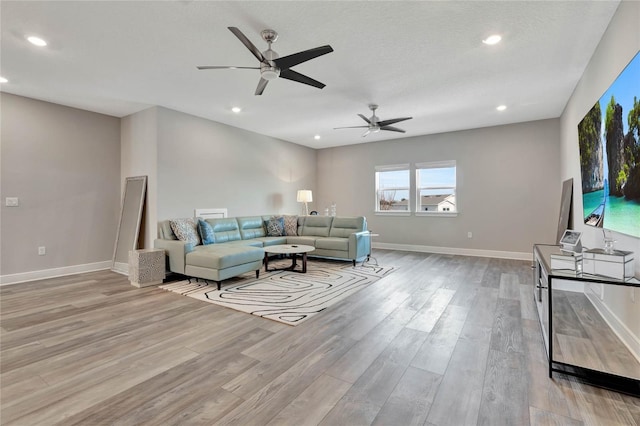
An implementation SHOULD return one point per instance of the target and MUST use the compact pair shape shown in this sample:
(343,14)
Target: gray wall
(64,165)
(204,164)
(139,157)
(619,44)
(508,187)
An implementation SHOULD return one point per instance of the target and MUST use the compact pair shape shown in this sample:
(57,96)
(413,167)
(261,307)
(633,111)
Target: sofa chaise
(234,246)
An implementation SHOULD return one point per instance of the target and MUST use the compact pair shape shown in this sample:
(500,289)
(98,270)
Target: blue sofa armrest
(359,245)
(176,250)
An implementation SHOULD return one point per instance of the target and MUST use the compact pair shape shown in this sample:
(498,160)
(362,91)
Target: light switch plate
(11,202)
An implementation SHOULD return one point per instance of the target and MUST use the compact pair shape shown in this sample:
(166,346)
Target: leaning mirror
(130,220)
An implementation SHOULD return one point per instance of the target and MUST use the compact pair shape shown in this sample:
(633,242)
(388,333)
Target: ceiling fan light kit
(272,66)
(267,71)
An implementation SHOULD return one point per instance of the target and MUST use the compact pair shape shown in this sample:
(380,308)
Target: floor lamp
(305,196)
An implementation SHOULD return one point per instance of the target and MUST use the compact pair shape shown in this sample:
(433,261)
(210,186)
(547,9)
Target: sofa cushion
(206,232)
(290,225)
(275,226)
(251,227)
(165,232)
(331,243)
(271,241)
(253,242)
(225,229)
(302,240)
(342,227)
(221,256)
(186,230)
(318,226)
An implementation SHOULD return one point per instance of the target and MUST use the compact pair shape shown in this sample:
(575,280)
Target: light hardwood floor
(444,340)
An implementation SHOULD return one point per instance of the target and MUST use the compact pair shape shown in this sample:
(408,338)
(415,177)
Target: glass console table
(578,340)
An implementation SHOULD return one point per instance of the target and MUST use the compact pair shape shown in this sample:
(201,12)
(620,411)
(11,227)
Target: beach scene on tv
(609,142)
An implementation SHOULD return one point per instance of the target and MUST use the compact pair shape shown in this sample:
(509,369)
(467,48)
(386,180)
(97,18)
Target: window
(392,189)
(436,187)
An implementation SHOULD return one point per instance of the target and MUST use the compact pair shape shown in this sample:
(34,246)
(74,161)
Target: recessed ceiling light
(37,41)
(501,107)
(236,109)
(316,137)
(492,39)
(3,80)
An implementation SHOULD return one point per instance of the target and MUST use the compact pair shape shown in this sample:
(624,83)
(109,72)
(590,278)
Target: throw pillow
(186,230)
(290,225)
(275,227)
(206,232)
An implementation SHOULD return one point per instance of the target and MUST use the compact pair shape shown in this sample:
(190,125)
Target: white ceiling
(414,58)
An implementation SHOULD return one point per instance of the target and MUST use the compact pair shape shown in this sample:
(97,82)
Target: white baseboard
(456,251)
(121,268)
(622,331)
(55,272)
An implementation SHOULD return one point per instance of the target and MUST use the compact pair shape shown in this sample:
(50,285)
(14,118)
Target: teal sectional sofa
(237,243)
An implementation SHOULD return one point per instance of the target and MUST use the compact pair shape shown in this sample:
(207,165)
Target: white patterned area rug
(286,296)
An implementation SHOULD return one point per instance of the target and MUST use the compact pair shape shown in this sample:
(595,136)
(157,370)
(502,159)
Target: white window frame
(418,188)
(392,168)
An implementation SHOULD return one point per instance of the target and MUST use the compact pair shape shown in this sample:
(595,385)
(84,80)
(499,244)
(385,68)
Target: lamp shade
(305,196)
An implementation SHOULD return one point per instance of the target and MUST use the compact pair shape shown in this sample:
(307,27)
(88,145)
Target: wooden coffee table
(292,250)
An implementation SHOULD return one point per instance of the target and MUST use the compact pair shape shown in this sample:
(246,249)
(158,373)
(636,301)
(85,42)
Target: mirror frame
(133,200)
(564,220)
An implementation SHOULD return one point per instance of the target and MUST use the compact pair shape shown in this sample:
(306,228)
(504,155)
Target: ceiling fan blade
(393,129)
(364,118)
(300,78)
(213,67)
(393,121)
(247,43)
(261,85)
(300,57)
(351,127)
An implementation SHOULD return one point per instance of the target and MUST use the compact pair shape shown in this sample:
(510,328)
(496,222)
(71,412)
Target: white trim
(436,164)
(392,167)
(53,273)
(121,268)
(212,213)
(619,328)
(392,213)
(456,251)
(437,214)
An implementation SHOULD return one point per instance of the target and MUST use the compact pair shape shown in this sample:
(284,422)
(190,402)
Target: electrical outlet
(42,250)
(469,234)
(11,202)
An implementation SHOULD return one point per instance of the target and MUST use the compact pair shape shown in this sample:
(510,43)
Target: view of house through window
(392,188)
(436,187)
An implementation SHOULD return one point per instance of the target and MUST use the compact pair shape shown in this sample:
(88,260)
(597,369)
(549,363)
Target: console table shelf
(554,290)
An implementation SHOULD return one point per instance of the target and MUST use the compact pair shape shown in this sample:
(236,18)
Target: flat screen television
(609,142)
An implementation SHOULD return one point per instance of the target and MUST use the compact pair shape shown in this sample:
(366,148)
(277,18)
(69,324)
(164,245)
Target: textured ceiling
(420,58)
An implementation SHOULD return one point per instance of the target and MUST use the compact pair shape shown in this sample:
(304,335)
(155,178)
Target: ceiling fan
(272,65)
(374,124)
